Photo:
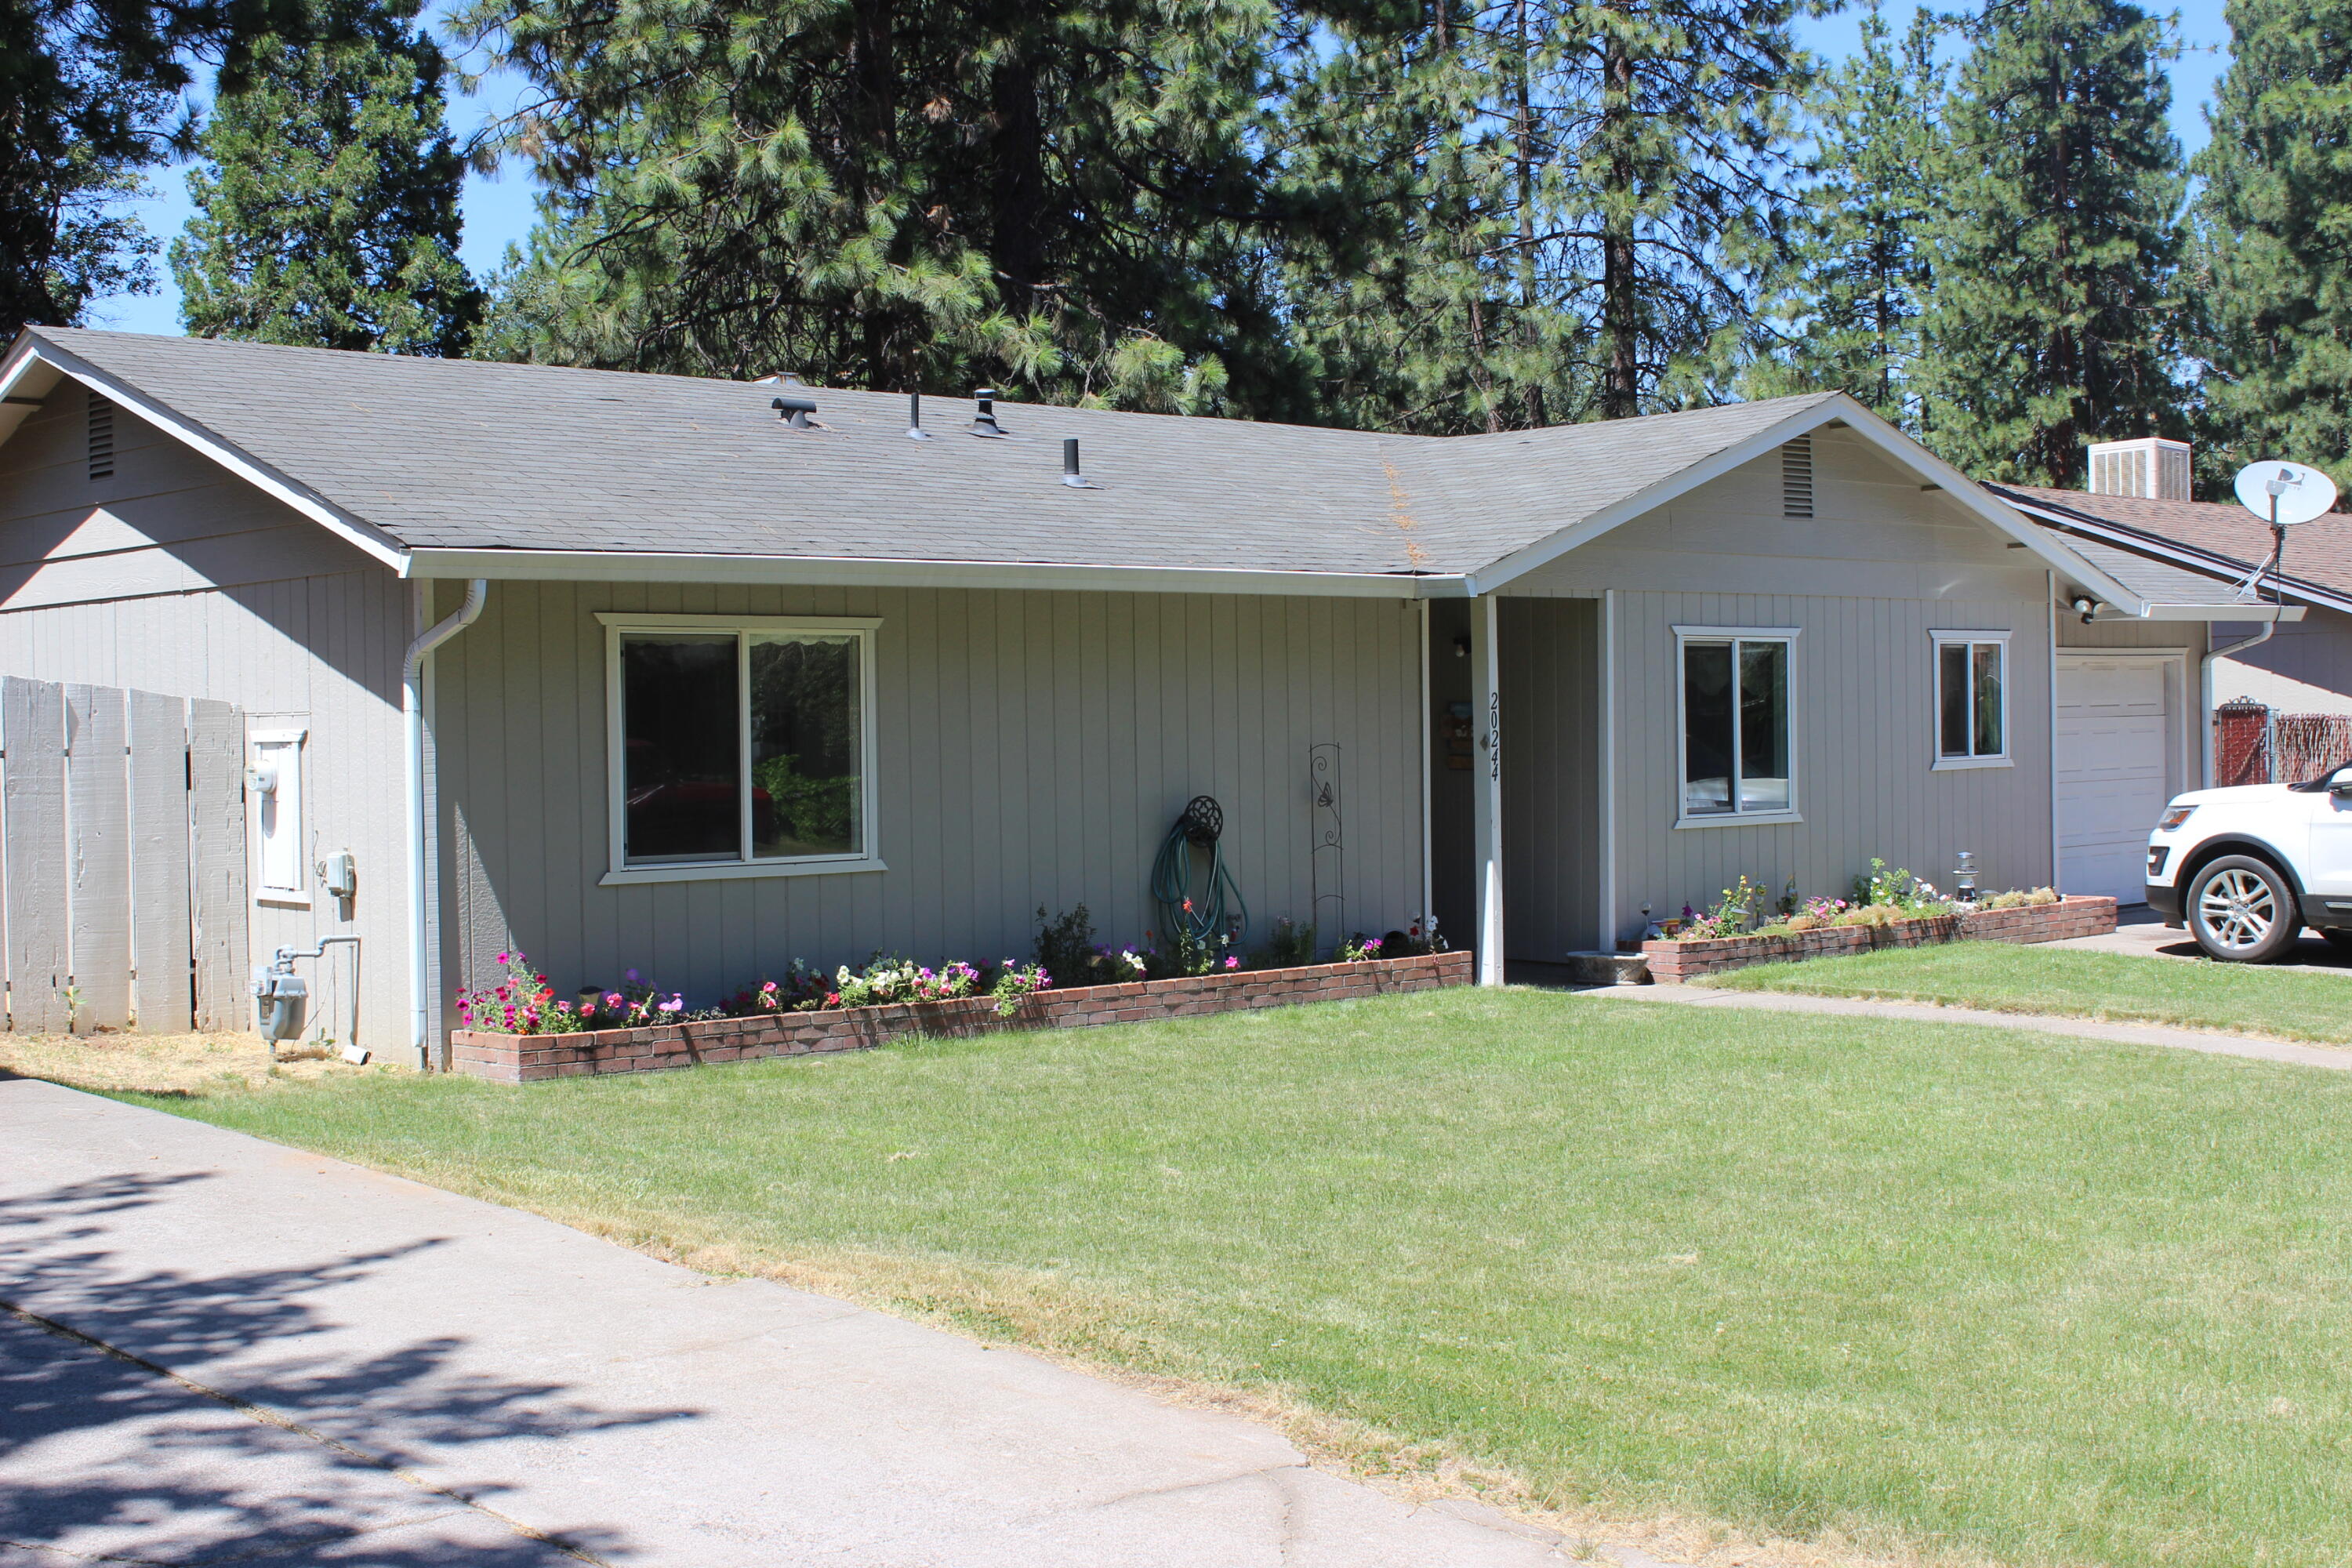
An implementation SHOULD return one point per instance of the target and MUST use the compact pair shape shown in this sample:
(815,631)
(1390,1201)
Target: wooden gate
(122,859)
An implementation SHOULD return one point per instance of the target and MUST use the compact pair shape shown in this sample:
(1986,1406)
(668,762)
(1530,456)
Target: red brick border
(523,1058)
(1676,962)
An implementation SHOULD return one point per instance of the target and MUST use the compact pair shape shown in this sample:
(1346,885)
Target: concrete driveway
(220,1349)
(2141,932)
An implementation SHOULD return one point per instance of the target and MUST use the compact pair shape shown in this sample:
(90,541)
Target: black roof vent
(914,431)
(985,422)
(795,411)
(1070,474)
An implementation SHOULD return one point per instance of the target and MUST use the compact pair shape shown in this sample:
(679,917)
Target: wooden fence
(122,859)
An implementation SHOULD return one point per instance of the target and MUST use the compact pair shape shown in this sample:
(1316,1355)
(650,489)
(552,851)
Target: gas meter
(281,997)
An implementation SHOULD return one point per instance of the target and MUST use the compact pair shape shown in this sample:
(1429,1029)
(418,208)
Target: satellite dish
(2285,493)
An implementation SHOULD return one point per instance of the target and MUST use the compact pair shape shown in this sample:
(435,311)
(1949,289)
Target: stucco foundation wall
(1034,749)
(171,575)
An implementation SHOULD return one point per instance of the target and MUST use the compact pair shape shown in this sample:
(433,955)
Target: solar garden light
(1964,879)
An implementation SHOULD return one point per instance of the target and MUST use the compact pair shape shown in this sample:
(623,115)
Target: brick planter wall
(1675,962)
(523,1058)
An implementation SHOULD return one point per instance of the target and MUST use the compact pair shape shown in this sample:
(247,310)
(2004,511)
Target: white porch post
(1486,811)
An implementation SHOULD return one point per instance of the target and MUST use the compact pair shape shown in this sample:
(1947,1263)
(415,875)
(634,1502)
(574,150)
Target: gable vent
(1797,477)
(102,437)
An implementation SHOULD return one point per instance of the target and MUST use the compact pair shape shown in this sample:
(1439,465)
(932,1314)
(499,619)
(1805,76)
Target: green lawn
(1977,1293)
(2290,1004)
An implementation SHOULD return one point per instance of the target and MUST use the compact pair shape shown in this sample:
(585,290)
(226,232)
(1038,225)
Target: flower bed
(1675,962)
(523,1058)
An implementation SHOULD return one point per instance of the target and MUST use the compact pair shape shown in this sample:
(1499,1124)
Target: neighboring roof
(2216,545)
(408,455)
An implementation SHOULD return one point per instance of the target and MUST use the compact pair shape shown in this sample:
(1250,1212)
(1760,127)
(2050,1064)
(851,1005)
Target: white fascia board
(2257,614)
(2220,568)
(628,566)
(364,535)
(1649,498)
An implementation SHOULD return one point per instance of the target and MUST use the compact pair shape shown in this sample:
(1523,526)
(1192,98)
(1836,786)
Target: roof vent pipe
(985,422)
(1070,475)
(914,431)
(794,410)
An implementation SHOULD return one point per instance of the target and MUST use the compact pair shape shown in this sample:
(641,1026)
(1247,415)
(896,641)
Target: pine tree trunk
(1621,395)
(1017,243)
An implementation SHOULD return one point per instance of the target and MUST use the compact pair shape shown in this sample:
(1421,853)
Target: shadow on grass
(103,1457)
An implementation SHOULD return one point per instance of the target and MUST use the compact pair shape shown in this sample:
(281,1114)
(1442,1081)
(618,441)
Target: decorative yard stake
(1327,848)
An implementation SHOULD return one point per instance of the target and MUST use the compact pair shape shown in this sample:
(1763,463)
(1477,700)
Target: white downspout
(2205,692)
(412,711)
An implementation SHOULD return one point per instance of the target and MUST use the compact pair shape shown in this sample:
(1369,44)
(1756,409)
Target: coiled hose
(1197,912)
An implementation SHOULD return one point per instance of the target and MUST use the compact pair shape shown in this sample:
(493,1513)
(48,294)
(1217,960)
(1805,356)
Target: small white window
(274,795)
(1738,724)
(740,747)
(1972,699)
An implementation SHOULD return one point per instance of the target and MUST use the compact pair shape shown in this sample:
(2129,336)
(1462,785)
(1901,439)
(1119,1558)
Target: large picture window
(740,747)
(1737,723)
(1972,699)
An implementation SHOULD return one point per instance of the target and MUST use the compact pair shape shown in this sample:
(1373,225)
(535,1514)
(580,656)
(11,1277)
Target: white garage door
(2115,742)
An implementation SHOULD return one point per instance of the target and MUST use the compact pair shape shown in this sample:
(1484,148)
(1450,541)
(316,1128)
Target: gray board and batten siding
(1879,565)
(168,574)
(1034,749)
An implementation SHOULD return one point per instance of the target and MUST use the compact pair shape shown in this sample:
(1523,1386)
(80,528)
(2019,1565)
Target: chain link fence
(2253,744)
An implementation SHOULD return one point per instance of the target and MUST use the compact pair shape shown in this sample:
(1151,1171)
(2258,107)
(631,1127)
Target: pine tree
(2274,244)
(2055,318)
(1848,314)
(903,192)
(1596,188)
(327,205)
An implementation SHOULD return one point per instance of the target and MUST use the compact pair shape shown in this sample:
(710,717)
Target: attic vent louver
(102,437)
(1797,477)
(794,410)
(985,422)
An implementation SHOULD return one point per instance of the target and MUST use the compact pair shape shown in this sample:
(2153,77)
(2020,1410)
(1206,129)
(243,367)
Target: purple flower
(633,978)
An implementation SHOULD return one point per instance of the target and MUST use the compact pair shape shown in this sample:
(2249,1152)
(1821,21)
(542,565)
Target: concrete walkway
(2141,932)
(218,1349)
(2209,1041)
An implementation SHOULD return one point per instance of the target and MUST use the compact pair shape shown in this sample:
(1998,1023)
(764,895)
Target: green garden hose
(1201,914)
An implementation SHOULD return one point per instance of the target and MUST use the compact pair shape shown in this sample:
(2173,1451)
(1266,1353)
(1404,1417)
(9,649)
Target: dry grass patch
(165,1065)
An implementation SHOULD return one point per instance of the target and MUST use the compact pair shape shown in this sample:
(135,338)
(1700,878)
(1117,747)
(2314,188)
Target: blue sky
(498,212)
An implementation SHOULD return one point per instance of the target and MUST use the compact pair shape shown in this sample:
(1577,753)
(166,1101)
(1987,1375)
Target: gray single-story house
(682,676)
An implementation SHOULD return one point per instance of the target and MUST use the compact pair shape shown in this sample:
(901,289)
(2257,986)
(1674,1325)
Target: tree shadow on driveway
(307,1458)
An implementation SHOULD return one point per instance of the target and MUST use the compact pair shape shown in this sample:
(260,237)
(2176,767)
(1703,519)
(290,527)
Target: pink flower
(505,957)
(1232,963)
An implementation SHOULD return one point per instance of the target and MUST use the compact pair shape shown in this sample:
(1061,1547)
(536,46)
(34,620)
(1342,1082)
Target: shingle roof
(474,454)
(2318,553)
(2158,582)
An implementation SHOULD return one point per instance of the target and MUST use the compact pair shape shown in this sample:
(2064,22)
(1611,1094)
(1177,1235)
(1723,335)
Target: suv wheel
(2242,911)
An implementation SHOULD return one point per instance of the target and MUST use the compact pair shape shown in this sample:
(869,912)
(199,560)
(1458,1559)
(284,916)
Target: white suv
(2247,869)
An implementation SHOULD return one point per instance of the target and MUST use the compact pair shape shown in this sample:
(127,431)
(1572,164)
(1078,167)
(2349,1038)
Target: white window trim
(1937,761)
(619,873)
(1684,636)
(298,738)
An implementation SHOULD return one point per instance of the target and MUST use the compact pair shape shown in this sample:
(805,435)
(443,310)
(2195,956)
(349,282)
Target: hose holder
(1203,822)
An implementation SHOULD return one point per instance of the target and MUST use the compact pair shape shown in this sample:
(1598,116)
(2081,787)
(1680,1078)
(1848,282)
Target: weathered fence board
(216,849)
(33,823)
(97,857)
(160,940)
